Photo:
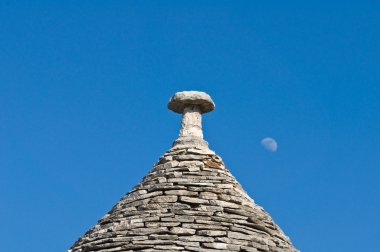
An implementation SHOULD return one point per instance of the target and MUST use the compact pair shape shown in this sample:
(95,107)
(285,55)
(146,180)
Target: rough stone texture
(191,104)
(202,209)
(191,126)
(180,100)
(189,201)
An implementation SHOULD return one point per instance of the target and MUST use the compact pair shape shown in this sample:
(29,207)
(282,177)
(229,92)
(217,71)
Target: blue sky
(83,93)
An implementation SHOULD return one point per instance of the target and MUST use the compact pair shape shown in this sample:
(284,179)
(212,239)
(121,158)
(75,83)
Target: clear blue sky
(83,93)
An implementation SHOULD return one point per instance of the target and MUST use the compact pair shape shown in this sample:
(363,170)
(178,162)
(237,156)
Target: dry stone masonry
(189,201)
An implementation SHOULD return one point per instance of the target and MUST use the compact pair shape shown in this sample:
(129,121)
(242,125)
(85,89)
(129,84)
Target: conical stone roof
(189,201)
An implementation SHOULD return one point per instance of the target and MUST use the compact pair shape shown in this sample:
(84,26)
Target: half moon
(269,144)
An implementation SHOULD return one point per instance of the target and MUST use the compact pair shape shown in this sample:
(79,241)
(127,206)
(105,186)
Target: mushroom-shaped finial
(181,100)
(191,104)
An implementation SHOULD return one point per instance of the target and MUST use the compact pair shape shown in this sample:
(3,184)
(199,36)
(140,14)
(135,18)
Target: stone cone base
(189,201)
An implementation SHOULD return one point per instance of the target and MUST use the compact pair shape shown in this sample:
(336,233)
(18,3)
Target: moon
(269,144)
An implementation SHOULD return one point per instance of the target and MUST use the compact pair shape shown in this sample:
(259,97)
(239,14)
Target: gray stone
(163,237)
(192,200)
(169,198)
(195,238)
(182,231)
(208,195)
(211,233)
(180,100)
(239,236)
(215,245)
(179,218)
(181,192)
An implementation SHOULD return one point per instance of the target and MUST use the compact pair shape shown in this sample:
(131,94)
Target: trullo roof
(189,201)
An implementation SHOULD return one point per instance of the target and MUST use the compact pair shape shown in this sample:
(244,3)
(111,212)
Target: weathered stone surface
(195,238)
(211,233)
(189,201)
(215,245)
(180,100)
(239,236)
(208,195)
(164,199)
(182,231)
(181,192)
(179,218)
(193,200)
(162,237)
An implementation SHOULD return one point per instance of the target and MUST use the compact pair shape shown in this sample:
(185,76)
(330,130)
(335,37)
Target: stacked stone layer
(189,201)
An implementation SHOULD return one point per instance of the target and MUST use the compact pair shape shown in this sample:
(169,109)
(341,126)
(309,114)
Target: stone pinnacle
(191,104)
(189,201)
